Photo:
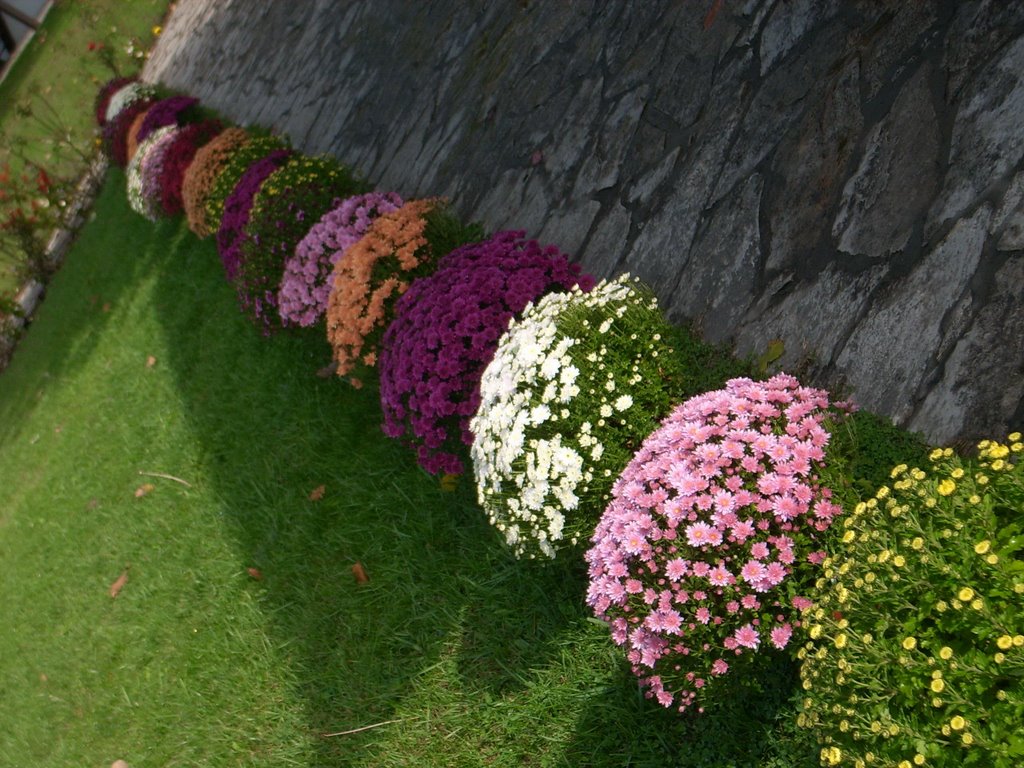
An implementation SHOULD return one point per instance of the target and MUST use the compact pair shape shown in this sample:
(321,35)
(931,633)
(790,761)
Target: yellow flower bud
(945,652)
(957,723)
(909,643)
(938,685)
(965,594)
(946,487)
(982,546)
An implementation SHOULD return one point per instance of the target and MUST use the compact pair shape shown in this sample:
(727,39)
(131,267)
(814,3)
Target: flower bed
(305,286)
(115,132)
(121,98)
(142,197)
(104,96)
(445,332)
(708,521)
(367,281)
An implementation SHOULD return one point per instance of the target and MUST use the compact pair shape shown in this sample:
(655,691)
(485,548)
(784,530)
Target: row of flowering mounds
(708,513)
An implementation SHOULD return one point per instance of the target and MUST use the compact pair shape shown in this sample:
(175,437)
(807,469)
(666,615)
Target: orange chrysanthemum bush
(375,270)
(202,173)
(132,140)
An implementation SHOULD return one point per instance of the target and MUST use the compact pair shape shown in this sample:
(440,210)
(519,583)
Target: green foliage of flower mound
(917,649)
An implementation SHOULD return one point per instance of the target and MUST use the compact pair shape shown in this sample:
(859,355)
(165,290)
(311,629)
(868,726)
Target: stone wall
(845,176)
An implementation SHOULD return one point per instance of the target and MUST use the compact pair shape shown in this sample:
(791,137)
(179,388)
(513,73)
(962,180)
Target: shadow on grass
(84,294)
(270,433)
(752,728)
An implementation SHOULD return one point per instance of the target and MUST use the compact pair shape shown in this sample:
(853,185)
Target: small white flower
(624,402)
(606,411)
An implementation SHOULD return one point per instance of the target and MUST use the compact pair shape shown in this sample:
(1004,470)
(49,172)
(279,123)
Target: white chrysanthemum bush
(121,98)
(699,564)
(575,385)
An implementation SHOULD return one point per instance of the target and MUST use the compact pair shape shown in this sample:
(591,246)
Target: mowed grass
(456,652)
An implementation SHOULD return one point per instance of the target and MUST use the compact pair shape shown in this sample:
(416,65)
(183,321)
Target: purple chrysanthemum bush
(697,564)
(306,285)
(445,332)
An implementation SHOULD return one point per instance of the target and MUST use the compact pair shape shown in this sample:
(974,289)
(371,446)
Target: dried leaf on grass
(255,573)
(327,371)
(150,361)
(317,493)
(360,573)
(118,585)
(144,489)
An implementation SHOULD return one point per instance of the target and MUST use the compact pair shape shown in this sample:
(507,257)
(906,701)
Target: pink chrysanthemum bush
(915,649)
(445,332)
(305,286)
(699,562)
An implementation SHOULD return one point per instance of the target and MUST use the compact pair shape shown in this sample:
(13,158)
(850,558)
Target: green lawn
(481,659)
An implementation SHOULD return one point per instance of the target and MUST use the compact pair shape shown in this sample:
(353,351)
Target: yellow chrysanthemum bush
(916,649)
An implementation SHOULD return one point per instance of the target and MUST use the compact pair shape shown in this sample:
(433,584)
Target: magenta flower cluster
(445,332)
(690,561)
(164,112)
(306,285)
(238,207)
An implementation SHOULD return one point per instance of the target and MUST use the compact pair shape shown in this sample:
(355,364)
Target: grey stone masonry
(846,176)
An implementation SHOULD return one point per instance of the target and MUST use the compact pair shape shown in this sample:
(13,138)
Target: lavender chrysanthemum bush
(574,387)
(445,332)
(306,284)
(700,559)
